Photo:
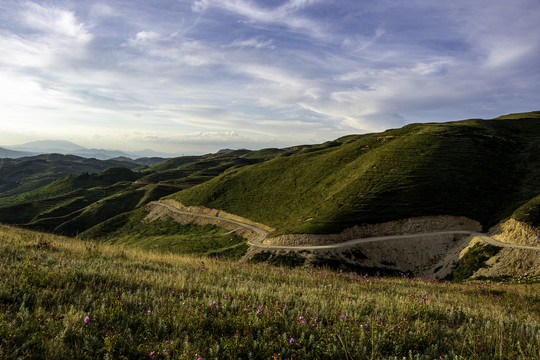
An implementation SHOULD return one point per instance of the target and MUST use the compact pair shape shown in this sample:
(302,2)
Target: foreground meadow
(62,298)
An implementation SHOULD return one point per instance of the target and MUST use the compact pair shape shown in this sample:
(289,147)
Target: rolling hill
(485,170)
(18,176)
(482,169)
(72,204)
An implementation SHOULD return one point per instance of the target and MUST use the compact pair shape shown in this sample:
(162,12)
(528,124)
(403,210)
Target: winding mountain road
(257,241)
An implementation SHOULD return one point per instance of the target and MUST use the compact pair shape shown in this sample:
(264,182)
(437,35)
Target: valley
(418,243)
(408,199)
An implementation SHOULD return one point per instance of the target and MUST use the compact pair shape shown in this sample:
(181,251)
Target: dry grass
(139,304)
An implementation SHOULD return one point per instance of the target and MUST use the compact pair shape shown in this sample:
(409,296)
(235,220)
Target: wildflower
(87,320)
(152,353)
(149,312)
(291,341)
(73,262)
(343,316)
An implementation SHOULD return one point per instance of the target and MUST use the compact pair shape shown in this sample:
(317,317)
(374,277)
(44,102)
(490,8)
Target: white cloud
(253,43)
(285,14)
(58,39)
(56,21)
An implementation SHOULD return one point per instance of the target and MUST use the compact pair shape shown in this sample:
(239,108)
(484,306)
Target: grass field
(61,298)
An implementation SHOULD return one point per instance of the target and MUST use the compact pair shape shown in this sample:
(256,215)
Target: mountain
(48,147)
(481,169)
(13,154)
(69,148)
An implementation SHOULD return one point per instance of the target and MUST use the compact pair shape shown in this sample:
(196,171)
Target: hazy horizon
(196,76)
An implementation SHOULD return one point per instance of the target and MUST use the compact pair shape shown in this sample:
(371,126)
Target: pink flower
(152,353)
(291,341)
(149,312)
(87,320)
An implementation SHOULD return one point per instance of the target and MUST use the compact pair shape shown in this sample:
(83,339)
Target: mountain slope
(18,176)
(481,169)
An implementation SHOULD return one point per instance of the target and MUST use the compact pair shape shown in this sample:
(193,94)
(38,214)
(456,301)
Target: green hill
(487,170)
(481,169)
(75,203)
(70,183)
(18,176)
(130,229)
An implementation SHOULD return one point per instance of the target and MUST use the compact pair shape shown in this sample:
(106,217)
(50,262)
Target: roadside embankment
(419,225)
(516,232)
(199,215)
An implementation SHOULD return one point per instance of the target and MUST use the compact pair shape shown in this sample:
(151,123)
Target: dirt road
(257,241)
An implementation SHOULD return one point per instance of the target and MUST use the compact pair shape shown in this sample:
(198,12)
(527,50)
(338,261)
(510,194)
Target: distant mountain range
(68,148)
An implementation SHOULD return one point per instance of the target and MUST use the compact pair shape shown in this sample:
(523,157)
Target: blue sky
(195,76)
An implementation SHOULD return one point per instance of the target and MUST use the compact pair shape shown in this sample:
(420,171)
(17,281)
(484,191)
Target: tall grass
(61,298)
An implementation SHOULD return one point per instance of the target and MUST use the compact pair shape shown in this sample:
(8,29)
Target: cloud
(53,38)
(294,71)
(253,43)
(284,15)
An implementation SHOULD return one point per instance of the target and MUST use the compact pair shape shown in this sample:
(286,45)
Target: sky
(196,76)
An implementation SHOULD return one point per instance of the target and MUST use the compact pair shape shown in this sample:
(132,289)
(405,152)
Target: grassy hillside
(22,175)
(71,183)
(529,212)
(130,229)
(195,170)
(482,169)
(61,298)
(487,170)
(77,202)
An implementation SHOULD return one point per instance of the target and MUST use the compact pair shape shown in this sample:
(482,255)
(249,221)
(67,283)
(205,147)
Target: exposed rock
(516,232)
